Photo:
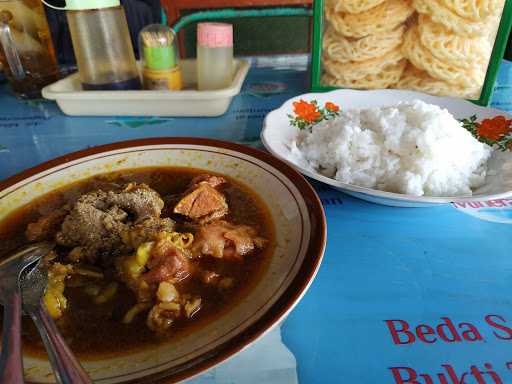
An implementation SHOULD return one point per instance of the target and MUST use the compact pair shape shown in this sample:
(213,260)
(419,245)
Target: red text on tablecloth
(447,330)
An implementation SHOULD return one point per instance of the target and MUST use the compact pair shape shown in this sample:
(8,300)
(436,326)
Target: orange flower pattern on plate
(307,111)
(493,129)
(331,107)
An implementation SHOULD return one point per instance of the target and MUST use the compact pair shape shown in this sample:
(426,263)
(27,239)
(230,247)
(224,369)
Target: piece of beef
(46,227)
(93,226)
(221,239)
(202,202)
(98,220)
(138,200)
(167,263)
(244,238)
(213,181)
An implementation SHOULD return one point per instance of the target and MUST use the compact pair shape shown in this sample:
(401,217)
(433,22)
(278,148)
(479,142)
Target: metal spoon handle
(11,360)
(66,367)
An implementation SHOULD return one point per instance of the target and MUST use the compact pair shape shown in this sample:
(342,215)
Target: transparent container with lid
(160,59)
(214,55)
(102,45)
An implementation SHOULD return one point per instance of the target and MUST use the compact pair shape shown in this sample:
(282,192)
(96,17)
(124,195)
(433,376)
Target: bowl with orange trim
(296,248)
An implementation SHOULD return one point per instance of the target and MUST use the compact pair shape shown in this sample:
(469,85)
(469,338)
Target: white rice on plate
(413,148)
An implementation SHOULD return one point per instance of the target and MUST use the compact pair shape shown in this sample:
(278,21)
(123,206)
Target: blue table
(403,295)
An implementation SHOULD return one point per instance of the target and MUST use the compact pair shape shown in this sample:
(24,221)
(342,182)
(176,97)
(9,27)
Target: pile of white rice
(412,148)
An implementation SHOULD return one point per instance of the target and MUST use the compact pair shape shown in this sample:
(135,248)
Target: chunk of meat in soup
(93,226)
(221,239)
(137,199)
(202,201)
(167,263)
(99,221)
(213,181)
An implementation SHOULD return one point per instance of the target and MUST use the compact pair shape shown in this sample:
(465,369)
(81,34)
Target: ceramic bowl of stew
(199,302)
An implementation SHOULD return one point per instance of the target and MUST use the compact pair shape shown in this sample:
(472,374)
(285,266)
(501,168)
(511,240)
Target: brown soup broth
(94,331)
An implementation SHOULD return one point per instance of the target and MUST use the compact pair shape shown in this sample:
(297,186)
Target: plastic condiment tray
(74,101)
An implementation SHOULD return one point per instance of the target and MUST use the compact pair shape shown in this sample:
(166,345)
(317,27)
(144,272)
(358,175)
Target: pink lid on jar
(215,35)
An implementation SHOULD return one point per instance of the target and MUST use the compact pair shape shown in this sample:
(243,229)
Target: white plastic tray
(74,101)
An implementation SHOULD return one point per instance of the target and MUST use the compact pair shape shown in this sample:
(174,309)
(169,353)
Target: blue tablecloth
(403,295)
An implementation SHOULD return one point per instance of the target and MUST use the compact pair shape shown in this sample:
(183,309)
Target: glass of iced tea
(26,50)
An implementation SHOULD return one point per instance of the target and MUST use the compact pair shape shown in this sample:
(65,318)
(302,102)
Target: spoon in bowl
(11,361)
(67,369)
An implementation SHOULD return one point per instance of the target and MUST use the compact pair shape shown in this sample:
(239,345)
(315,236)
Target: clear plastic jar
(103,49)
(214,55)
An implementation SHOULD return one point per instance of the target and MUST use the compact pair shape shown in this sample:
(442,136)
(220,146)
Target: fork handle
(11,360)
(65,366)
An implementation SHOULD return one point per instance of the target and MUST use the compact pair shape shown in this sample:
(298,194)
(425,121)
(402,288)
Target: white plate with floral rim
(278,134)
